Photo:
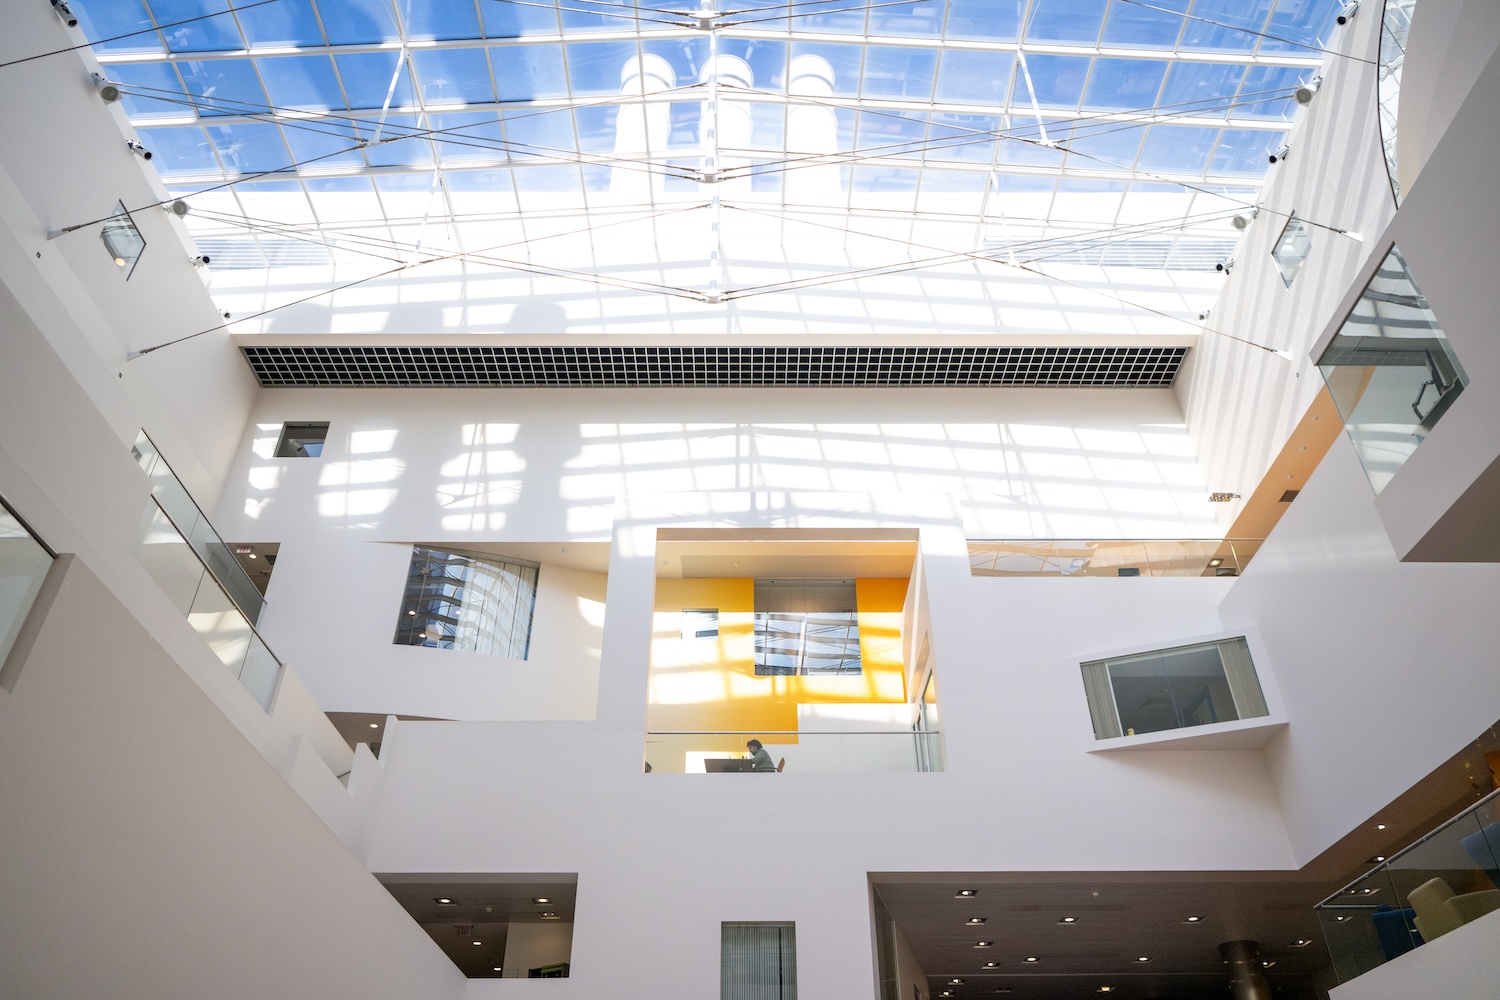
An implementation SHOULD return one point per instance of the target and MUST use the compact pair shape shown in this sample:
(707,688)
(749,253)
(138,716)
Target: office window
(1391,371)
(758,961)
(700,623)
(468,601)
(1291,250)
(1173,689)
(303,440)
(806,627)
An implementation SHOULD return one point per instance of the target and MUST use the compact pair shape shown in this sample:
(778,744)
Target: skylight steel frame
(787,33)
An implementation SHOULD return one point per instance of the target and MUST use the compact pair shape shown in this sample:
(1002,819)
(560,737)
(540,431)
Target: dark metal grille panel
(715,366)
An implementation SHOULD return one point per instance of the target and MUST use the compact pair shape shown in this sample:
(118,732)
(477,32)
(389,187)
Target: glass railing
(1394,27)
(1443,881)
(174,499)
(24,562)
(183,565)
(867,751)
(1146,557)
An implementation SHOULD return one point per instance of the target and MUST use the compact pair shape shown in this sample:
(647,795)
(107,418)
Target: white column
(725,125)
(641,129)
(811,129)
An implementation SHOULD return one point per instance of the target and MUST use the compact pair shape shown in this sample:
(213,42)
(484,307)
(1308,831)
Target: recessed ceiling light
(444,901)
(992,965)
(374,725)
(1301,943)
(422,635)
(1068,920)
(984,944)
(1193,920)
(549,915)
(1377,859)
(1267,964)
(966,894)
(1216,562)
(1380,826)
(498,969)
(1106,989)
(1367,890)
(976,920)
(476,943)
(1032,960)
(955,982)
(946,993)
(541,899)
(1339,920)
(411,612)
(1144,958)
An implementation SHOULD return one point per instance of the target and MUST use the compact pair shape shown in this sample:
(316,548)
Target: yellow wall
(710,684)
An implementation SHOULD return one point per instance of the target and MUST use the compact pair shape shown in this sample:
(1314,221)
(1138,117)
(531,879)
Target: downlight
(1307,91)
(108,92)
(1243,219)
(1282,152)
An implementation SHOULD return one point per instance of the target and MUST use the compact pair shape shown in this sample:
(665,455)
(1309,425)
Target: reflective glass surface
(23,566)
(841,104)
(1175,688)
(469,602)
(1291,250)
(1393,31)
(1391,370)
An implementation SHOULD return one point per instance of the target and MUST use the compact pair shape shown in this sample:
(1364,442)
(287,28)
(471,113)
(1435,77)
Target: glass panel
(806,627)
(930,725)
(1173,689)
(466,601)
(23,566)
(122,240)
(808,752)
(1291,250)
(1393,32)
(758,962)
(260,672)
(1391,371)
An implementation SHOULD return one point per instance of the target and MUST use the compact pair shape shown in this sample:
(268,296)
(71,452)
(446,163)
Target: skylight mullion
(424,122)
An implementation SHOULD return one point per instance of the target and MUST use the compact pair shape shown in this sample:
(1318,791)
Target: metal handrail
(1412,846)
(26,526)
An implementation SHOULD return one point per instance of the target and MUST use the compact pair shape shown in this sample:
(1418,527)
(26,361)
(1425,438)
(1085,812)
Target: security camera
(1242,220)
(201,260)
(108,92)
(178,208)
(1282,151)
(1225,265)
(63,12)
(1204,315)
(1304,93)
(1348,11)
(138,149)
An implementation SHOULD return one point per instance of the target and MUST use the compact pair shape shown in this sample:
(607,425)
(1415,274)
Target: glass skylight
(304,131)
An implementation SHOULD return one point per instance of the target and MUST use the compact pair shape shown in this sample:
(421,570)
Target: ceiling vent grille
(1289,496)
(566,366)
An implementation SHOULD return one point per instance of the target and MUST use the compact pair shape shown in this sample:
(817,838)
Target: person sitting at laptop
(759,759)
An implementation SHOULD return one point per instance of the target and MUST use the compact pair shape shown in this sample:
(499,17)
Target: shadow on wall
(537,317)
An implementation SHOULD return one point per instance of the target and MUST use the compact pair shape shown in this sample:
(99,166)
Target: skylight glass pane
(1277,83)
(682,132)
(1019,196)
(1065,21)
(1201,88)
(355,22)
(408,196)
(767,61)
(441,18)
(323,146)
(302,82)
(1142,27)
(401,152)
(481,192)
(275,201)
(1177,149)
(845,60)
(891,134)
(529,72)
(1125,84)
(974,77)
(884,187)
(1057,80)
(596,129)
(1022,144)
(1089,201)
(206,34)
(1244,151)
(983,19)
(1096,146)
(224,86)
(286,22)
(180,150)
(1237,27)
(908,19)
(594,67)
(465,136)
(767,126)
(1309,23)
(367,79)
(897,72)
(250,149)
(453,76)
(343,199)
(160,90)
(532,134)
(839,15)
(960,192)
(557,179)
(507,20)
(962,137)
(120,17)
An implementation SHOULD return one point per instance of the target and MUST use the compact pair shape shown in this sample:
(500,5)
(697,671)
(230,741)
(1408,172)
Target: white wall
(532,946)
(152,854)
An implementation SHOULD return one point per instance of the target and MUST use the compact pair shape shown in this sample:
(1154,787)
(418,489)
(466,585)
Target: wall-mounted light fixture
(135,147)
(1305,93)
(61,7)
(1347,12)
(1243,219)
(108,92)
(1282,152)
